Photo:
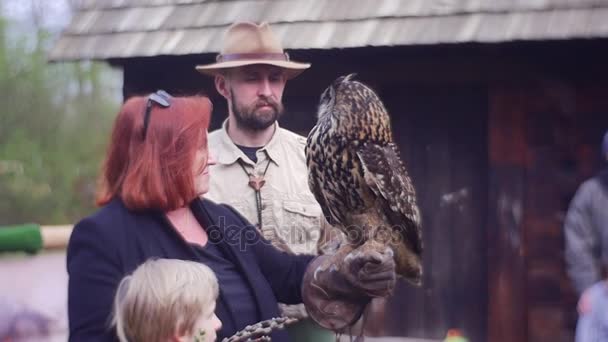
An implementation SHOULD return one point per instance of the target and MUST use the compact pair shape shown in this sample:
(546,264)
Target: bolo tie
(256,183)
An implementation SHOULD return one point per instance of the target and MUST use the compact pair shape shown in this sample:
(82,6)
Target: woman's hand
(336,288)
(370,272)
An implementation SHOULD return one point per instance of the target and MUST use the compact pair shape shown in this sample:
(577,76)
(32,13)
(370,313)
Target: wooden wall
(556,128)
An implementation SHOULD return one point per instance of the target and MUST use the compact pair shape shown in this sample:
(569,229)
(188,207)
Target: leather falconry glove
(336,288)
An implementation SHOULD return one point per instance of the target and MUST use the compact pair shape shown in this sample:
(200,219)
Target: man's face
(255,94)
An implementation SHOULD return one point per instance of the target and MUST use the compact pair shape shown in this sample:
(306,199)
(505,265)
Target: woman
(154,174)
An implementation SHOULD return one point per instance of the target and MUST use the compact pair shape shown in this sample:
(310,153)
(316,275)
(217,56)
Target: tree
(54,122)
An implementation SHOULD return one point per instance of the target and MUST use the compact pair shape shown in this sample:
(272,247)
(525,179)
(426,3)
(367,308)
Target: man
(261,169)
(586,234)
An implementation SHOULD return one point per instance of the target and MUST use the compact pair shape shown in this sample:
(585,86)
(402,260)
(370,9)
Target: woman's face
(201,177)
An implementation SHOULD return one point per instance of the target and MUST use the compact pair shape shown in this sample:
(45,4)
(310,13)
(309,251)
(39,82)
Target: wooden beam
(507,319)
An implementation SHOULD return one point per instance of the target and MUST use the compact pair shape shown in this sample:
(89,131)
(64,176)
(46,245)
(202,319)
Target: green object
(20,238)
(456,339)
(200,337)
(306,331)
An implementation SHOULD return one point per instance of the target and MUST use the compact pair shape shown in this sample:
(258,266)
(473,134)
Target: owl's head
(347,96)
(328,97)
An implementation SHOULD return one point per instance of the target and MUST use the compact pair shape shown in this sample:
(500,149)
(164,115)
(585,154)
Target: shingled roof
(107,29)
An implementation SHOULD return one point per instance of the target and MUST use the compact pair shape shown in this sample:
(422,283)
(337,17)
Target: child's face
(205,328)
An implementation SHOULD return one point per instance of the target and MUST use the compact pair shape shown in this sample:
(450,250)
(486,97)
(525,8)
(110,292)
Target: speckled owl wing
(386,175)
(314,157)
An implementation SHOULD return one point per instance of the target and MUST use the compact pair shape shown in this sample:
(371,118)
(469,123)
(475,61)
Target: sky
(56,13)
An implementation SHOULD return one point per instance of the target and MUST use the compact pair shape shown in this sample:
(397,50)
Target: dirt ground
(33,297)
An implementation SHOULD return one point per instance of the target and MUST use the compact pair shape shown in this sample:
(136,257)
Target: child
(167,300)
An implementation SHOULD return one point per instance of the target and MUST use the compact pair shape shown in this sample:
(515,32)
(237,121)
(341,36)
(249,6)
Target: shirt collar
(230,153)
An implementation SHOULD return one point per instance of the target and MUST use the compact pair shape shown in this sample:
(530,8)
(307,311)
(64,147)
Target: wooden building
(499,107)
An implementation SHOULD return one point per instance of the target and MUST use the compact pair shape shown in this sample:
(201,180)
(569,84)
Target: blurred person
(20,323)
(151,194)
(586,237)
(258,160)
(167,300)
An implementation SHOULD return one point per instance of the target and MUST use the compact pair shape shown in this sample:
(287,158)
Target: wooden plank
(438,309)
(507,318)
(547,321)
(410,306)
(467,202)
(442,132)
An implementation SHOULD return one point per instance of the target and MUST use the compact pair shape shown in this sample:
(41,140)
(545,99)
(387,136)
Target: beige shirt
(291,217)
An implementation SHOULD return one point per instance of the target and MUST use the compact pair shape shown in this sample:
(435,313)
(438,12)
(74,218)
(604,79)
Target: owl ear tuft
(350,77)
(343,78)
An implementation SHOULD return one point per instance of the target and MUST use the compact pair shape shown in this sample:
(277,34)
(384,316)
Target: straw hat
(247,43)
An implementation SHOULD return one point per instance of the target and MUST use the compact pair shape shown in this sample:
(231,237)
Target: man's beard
(248,117)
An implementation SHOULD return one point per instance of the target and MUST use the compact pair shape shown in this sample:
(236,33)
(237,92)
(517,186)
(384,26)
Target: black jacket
(112,242)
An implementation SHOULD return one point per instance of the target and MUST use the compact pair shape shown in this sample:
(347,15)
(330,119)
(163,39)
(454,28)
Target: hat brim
(292,69)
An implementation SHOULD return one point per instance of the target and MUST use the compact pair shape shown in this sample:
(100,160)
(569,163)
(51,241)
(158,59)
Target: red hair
(155,172)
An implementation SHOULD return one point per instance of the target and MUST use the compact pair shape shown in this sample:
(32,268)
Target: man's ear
(221,86)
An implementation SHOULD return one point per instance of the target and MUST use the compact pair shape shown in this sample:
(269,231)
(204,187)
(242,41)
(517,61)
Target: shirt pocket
(301,225)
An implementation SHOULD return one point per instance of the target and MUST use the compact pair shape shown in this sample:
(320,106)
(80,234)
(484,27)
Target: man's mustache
(267,102)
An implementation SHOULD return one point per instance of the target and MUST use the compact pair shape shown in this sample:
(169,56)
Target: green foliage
(55,120)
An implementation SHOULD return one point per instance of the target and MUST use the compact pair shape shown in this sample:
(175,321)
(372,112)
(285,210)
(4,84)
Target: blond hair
(162,298)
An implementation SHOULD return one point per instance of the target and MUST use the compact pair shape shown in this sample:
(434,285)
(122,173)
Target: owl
(357,176)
